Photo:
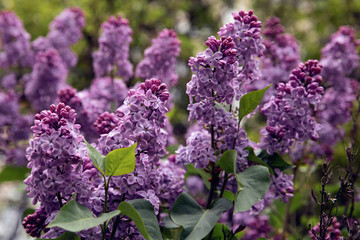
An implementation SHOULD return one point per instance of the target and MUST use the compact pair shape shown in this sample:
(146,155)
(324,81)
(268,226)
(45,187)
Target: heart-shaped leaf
(120,161)
(197,221)
(250,101)
(97,158)
(74,217)
(274,161)
(142,214)
(253,183)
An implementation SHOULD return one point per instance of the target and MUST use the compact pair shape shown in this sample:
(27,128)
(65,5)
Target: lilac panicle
(281,55)
(34,223)
(141,119)
(340,57)
(106,122)
(15,47)
(56,155)
(160,59)
(289,114)
(246,34)
(46,79)
(65,30)
(113,50)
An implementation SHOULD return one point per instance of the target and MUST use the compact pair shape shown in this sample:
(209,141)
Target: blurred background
(311,22)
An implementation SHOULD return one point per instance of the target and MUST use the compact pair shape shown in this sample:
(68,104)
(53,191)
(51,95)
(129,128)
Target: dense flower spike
(55,156)
(34,223)
(65,30)
(340,57)
(46,79)
(113,50)
(15,44)
(282,185)
(246,34)
(141,119)
(160,59)
(281,55)
(289,114)
(106,122)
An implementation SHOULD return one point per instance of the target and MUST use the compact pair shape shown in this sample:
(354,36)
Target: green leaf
(253,183)
(229,195)
(228,160)
(274,161)
(191,170)
(97,158)
(120,161)
(67,236)
(142,214)
(13,173)
(255,159)
(74,217)
(197,221)
(250,101)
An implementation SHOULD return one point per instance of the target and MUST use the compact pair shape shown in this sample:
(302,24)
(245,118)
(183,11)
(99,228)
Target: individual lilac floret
(160,59)
(113,50)
(55,156)
(15,47)
(46,79)
(246,34)
(340,57)
(198,150)
(106,122)
(281,55)
(289,114)
(64,31)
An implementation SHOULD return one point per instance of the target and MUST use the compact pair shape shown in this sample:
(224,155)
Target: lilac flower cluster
(106,122)
(141,119)
(46,79)
(65,30)
(333,232)
(281,55)
(15,42)
(289,114)
(246,34)
(14,129)
(160,59)
(55,156)
(340,57)
(113,50)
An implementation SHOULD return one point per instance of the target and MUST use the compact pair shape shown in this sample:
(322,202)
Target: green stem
(224,185)
(58,195)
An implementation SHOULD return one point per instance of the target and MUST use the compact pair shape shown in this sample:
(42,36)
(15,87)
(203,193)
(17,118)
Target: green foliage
(253,183)
(74,217)
(142,214)
(274,161)
(191,170)
(120,161)
(13,173)
(219,231)
(116,163)
(250,101)
(255,159)
(196,221)
(228,160)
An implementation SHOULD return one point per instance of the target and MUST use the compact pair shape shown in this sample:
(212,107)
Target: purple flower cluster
(246,34)
(281,55)
(282,185)
(106,122)
(289,114)
(46,79)
(113,50)
(333,232)
(15,44)
(340,57)
(65,30)
(160,59)
(14,129)
(141,119)
(55,157)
